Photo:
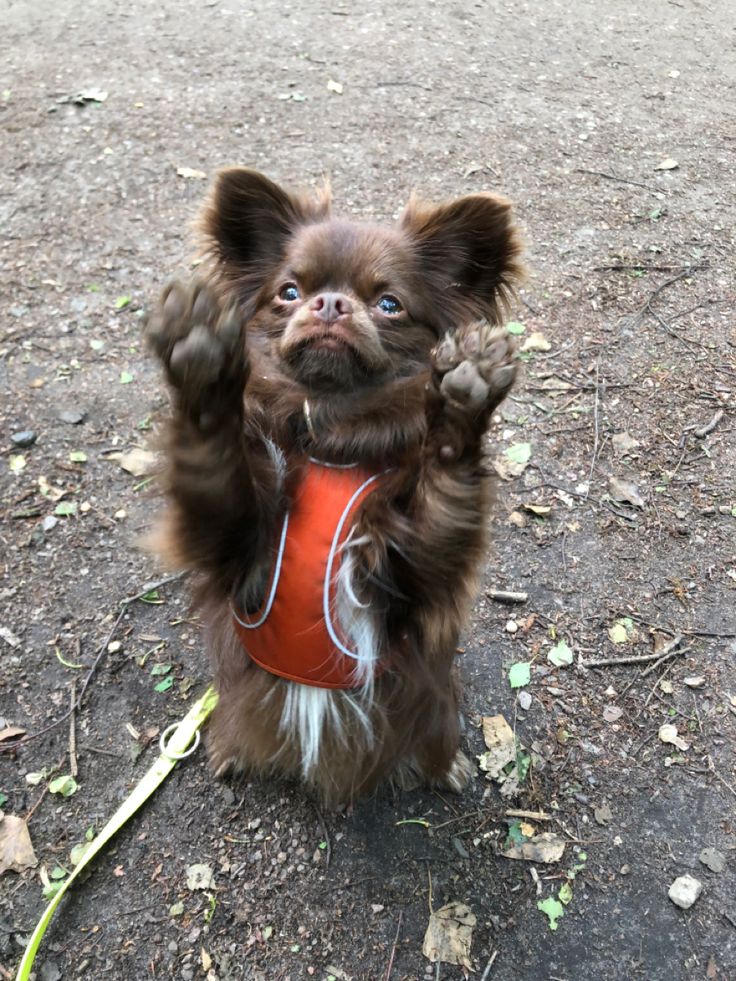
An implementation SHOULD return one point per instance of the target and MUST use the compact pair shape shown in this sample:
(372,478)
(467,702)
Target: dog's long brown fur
(382,398)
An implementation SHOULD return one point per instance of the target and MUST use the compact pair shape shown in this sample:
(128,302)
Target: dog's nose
(331,306)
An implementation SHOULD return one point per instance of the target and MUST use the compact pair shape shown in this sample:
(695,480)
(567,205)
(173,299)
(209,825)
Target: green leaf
(160,669)
(553,910)
(144,424)
(66,509)
(3,799)
(51,889)
(515,836)
(94,288)
(78,852)
(125,378)
(76,456)
(622,631)
(523,762)
(515,328)
(165,684)
(176,909)
(66,786)
(17,463)
(152,596)
(519,452)
(520,674)
(89,833)
(122,302)
(560,655)
(565,894)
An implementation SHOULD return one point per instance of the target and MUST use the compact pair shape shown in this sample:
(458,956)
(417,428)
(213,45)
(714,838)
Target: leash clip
(177,756)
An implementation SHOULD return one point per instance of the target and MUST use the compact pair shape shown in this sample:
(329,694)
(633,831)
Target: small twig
(703,431)
(669,651)
(531,815)
(620,267)
(716,774)
(73,768)
(609,662)
(596,425)
(489,965)
(328,849)
(619,180)
(390,965)
(503,596)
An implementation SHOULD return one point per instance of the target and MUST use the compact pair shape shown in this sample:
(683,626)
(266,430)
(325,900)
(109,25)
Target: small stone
(713,859)
(50,971)
(511,627)
(24,438)
(121,515)
(525,700)
(684,891)
(460,848)
(114,646)
(625,869)
(74,417)
(694,681)
(49,522)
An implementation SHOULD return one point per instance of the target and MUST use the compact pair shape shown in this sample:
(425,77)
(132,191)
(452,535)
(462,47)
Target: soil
(569,110)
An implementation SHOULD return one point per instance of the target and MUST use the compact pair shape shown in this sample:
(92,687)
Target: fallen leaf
(65,785)
(713,859)
(539,509)
(519,453)
(122,302)
(624,443)
(622,631)
(612,713)
(65,509)
(553,910)
(17,463)
(125,378)
(625,491)
(138,462)
(77,456)
(545,847)
(189,173)
(336,87)
(515,328)
(520,674)
(176,909)
(9,637)
(668,734)
(206,959)
(449,935)
(560,655)
(10,732)
(694,681)
(603,814)
(200,877)
(565,894)
(16,848)
(505,761)
(536,341)
(669,163)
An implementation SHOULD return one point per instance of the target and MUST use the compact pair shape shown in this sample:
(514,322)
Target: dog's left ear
(248,220)
(468,249)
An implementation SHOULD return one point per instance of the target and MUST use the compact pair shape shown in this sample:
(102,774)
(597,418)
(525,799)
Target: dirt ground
(611,127)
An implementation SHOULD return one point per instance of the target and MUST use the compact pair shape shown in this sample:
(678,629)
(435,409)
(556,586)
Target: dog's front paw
(475,366)
(200,341)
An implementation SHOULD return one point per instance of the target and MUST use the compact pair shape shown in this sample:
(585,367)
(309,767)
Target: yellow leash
(183,741)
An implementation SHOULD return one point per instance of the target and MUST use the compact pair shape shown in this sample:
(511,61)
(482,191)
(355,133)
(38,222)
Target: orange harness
(294,634)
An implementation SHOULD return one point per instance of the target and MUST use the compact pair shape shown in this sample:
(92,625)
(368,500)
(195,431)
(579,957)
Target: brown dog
(332,385)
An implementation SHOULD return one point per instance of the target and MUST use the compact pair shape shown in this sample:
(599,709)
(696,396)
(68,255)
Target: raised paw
(459,774)
(475,366)
(200,341)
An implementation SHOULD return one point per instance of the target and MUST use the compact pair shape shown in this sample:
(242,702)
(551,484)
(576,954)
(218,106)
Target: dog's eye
(389,305)
(289,292)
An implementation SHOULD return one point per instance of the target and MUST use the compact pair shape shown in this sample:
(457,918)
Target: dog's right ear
(249,219)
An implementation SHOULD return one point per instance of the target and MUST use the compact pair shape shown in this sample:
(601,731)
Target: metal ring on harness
(177,756)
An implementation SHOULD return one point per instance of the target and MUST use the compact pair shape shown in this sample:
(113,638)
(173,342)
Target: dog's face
(341,305)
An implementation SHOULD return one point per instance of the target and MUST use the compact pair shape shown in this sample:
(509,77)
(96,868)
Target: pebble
(694,681)
(713,859)
(511,627)
(24,438)
(684,891)
(49,522)
(72,416)
(525,700)
(114,646)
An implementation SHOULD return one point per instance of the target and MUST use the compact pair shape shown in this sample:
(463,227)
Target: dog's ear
(468,249)
(249,219)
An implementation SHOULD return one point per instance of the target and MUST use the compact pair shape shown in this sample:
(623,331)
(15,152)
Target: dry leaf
(536,341)
(612,713)
(188,173)
(336,87)
(200,877)
(449,935)
(10,732)
(668,734)
(624,443)
(16,847)
(669,163)
(625,490)
(539,509)
(138,462)
(501,743)
(546,847)
(206,959)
